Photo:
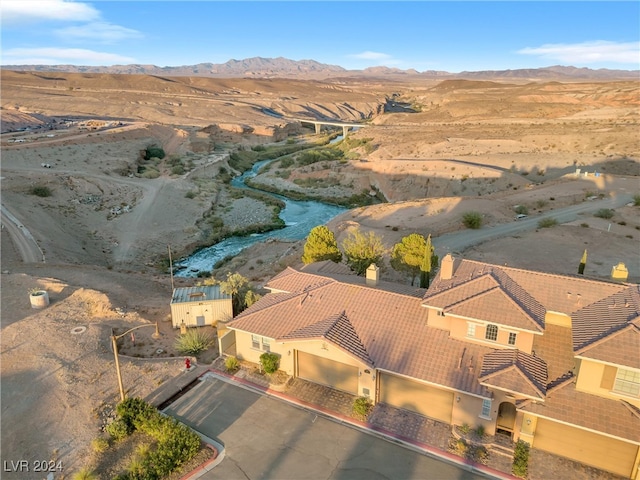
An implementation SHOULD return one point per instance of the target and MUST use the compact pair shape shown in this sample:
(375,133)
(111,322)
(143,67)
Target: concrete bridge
(319,123)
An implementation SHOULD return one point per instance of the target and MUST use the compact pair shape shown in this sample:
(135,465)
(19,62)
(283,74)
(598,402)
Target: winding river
(299,217)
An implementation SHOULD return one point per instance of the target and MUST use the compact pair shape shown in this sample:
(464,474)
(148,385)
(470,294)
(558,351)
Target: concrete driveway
(265,438)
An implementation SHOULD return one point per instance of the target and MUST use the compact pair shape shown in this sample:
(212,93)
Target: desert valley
(102,172)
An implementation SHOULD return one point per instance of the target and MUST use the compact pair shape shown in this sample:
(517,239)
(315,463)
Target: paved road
(266,438)
(459,241)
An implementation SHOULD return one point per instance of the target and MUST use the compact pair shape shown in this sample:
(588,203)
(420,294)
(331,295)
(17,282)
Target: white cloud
(24,11)
(588,52)
(61,56)
(102,32)
(377,56)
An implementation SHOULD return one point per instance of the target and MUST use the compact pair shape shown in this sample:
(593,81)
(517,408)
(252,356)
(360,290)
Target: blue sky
(452,36)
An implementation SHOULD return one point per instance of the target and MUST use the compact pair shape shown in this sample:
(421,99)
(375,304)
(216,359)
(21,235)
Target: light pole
(114,342)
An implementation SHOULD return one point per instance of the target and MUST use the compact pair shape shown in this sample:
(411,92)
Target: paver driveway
(265,438)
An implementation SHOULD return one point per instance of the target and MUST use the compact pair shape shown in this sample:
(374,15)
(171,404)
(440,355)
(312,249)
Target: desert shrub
(547,223)
(286,162)
(269,362)
(193,342)
(85,474)
(479,431)
(150,173)
(231,364)
(472,220)
(465,428)
(636,200)
(40,191)
(584,225)
(178,169)
(604,213)
(622,222)
(118,430)
(153,151)
(362,406)
(520,466)
(541,203)
(190,194)
(99,444)
(522,210)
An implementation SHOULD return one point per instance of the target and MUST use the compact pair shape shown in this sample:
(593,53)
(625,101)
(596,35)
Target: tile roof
(556,348)
(621,348)
(338,330)
(515,371)
(390,327)
(566,404)
(604,317)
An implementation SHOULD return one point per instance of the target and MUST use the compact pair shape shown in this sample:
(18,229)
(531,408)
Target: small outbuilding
(199,306)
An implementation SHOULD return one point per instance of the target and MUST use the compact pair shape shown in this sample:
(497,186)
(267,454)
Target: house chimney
(372,275)
(619,272)
(446,267)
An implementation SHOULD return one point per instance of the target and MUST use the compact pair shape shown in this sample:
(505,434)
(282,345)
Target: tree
(415,256)
(472,220)
(237,286)
(321,245)
(427,263)
(362,249)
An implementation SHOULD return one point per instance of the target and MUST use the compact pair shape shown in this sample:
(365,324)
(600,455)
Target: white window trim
(485,402)
(622,392)
(471,329)
(515,340)
(486,332)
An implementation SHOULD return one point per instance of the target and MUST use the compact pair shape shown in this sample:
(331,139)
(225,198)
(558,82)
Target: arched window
(492,333)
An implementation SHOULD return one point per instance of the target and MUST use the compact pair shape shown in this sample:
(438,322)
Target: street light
(114,342)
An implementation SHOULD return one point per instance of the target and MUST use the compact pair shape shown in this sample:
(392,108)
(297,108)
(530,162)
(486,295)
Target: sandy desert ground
(481,146)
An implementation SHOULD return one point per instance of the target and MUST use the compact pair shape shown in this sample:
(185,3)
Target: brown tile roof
(327,267)
(515,371)
(534,292)
(390,327)
(604,317)
(338,330)
(621,348)
(566,404)
(556,348)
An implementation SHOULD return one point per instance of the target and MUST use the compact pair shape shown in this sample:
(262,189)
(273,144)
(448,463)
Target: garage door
(328,372)
(585,447)
(417,397)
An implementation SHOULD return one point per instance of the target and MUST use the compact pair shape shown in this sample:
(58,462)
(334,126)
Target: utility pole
(171,269)
(114,341)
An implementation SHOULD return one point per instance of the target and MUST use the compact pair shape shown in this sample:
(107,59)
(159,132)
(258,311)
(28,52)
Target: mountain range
(258,67)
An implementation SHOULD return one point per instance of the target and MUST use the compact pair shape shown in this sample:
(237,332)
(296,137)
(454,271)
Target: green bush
(178,169)
(118,430)
(231,364)
(604,213)
(85,474)
(40,191)
(472,220)
(362,406)
(520,466)
(153,151)
(269,362)
(99,444)
(150,173)
(193,342)
(547,223)
(480,431)
(636,200)
(190,194)
(465,428)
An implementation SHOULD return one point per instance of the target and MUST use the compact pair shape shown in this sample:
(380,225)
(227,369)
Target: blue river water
(299,217)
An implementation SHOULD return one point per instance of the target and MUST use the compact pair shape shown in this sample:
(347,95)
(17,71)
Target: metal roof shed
(199,306)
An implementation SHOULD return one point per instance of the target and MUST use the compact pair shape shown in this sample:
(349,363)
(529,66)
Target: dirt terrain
(433,151)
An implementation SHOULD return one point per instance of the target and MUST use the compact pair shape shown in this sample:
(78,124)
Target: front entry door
(506,416)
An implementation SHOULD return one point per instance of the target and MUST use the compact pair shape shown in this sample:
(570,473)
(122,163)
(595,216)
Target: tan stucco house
(550,359)
(199,306)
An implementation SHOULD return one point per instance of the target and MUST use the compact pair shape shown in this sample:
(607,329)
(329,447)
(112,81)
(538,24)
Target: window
(627,382)
(255,342)
(471,329)
(512,338)
(266,344)
(486,408)
(440,313)
(492,333)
